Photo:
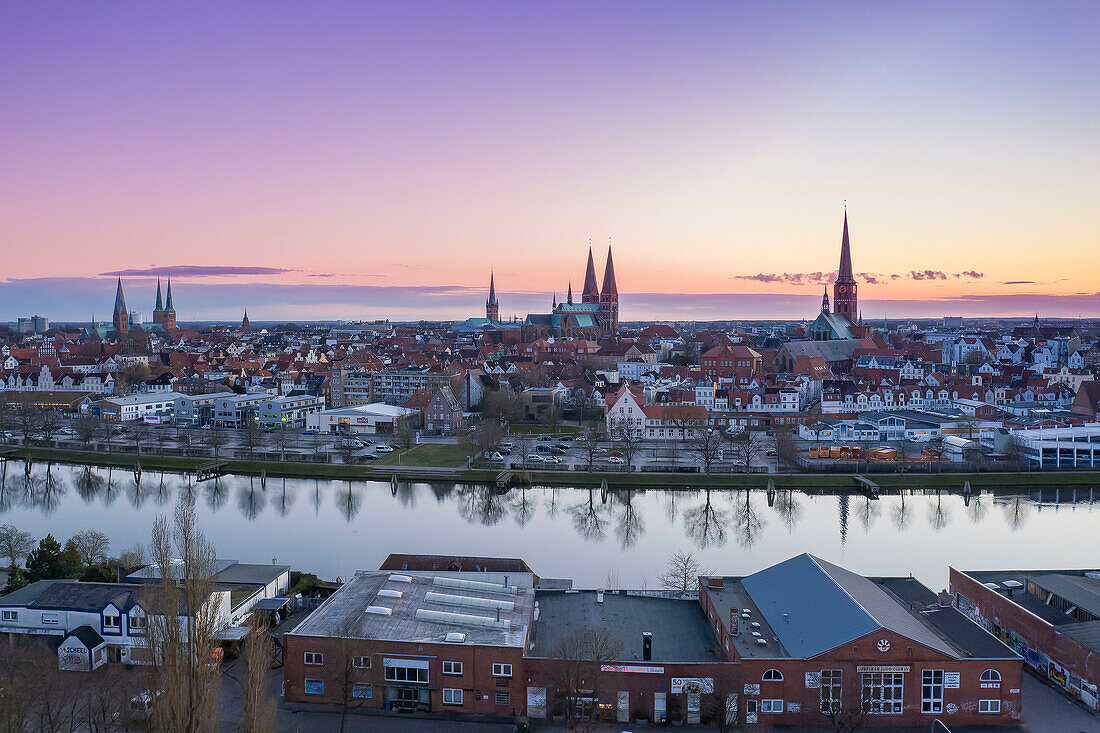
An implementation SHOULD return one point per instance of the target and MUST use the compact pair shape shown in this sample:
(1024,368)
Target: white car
(384,448)
(551,459)
(534,458)
(615,459)
(496,457)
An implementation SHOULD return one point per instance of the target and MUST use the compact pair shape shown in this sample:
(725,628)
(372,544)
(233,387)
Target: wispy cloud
(198,271)
(1018,282)
(871,278)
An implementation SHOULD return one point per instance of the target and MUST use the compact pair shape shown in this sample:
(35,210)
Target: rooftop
(427,608)
(680,630)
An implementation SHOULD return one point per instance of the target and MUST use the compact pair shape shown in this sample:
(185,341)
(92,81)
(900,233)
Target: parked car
(546,438)
(309,431)
(351,443)
(496,457)
(615,459)
(507,444)
(600,450)
(770,453)
(551,459)
(534,458)
(616,454)
(384,448)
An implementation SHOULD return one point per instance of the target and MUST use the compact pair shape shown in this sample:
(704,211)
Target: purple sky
(376,159)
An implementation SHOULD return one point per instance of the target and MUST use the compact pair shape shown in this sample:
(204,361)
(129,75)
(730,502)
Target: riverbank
(579,479)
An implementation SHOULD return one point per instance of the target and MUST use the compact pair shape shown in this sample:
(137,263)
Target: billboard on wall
(699,685)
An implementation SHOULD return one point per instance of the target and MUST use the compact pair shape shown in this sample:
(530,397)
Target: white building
(282,413)
(372,419)
(140,406)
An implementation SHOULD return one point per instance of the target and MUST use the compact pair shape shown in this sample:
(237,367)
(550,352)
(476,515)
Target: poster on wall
(813,680)
(702,685)
(951,680)
(752,689)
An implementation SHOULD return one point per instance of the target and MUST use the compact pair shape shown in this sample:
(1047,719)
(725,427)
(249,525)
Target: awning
(271,604)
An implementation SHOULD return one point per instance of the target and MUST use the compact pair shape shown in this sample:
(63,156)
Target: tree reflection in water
(902,515)
(216,493)
(251,499)
(285,500)
(522,505)
(135,492)
(552,503)
(748,523)
(869,510)
(479,504)
(939,515)
(588,517)
(788,509)
(629,526)
(1016,511)
(316,497)
(978,507)
(349,501)
(705,525)
(88,484)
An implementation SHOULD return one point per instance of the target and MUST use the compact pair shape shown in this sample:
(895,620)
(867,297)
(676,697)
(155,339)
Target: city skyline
(381,163)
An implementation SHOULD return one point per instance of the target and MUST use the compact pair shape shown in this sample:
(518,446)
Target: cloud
(973,274)
(927,275)
(197,271)
(790,278)
(322,274)
(1018,282)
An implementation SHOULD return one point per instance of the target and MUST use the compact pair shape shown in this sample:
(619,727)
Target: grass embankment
(544,430)
(436,455)
(443,462)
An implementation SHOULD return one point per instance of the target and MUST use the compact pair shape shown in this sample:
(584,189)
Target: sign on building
(696,685)
(951,680)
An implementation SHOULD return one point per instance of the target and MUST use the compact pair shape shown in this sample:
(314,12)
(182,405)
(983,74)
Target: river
(617,539)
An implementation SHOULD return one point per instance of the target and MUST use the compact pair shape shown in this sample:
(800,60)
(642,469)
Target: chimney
(599,595)
(647,646)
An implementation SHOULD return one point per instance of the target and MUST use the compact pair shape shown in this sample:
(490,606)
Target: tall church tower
(492,309)
(844,289)
(121,317)
(168,319)
(591,293)
(609,295)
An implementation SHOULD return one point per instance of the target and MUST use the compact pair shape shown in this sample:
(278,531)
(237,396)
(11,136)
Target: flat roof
(400,596)
(681,632)
(1079,587)
(732,594)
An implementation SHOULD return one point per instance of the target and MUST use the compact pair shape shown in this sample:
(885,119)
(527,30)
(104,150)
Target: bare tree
(109,431)
(486,436)
(704,446)
(183,615)
(503,405)
(185,438)
(682,572)
(215,440)
(86,428)
(577,677)
(252,436)
(842,704)
(283,439)
(785,449)
(92,546)
(7,416)
(746,446)
(139,433)
(404,434)
(718,705)
(49,422)
(628,439)
(258,714)
(160,435)
(354,660)
(28,417)
(590,441)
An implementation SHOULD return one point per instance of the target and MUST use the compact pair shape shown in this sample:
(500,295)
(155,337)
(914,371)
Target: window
(112,622)
(771,706)
(452,696)
(50,619)
(503,698)
(11,616)
(315,658)
(452,668)
(406,674)
(991,675)
(773,675)
(830,690)
(315,687)
(931,691)
(882,692)
(362,662)
(989,706)
(137,624)
(502,670)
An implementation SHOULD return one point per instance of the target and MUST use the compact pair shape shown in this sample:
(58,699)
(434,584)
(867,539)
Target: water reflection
(707,518)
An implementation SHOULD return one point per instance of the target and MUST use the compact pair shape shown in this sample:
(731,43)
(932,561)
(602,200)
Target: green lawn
(446,455)
(543,429)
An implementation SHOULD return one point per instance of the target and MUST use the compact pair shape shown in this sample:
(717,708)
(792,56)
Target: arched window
(991,675)
(773,675)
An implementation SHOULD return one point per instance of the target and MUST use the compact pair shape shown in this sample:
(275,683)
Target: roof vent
(755,624)
(455,637)
(746,614)
(992,586)
(464,584)
(390,593)
(1014,583)
(451,599)
(761,642)
(756,633)
(401,578)
(461,619)
(380,610)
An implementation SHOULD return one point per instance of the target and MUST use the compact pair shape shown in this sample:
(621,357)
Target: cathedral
(842,321)
(596,315)
(164,315)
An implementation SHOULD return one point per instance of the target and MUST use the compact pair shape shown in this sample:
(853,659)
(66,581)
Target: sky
(369,160)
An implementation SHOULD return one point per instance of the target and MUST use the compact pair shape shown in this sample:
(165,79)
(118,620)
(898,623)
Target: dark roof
(250,574)
(71,595)
(680,630)
(973,640)
(467,563)
(88,636)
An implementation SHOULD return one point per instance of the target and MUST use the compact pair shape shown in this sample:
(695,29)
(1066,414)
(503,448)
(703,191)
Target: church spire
(492,289)
(569,297)
(825,300)
(160,303)
(168,298)
(609,286)
(591,293)
(845,271)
